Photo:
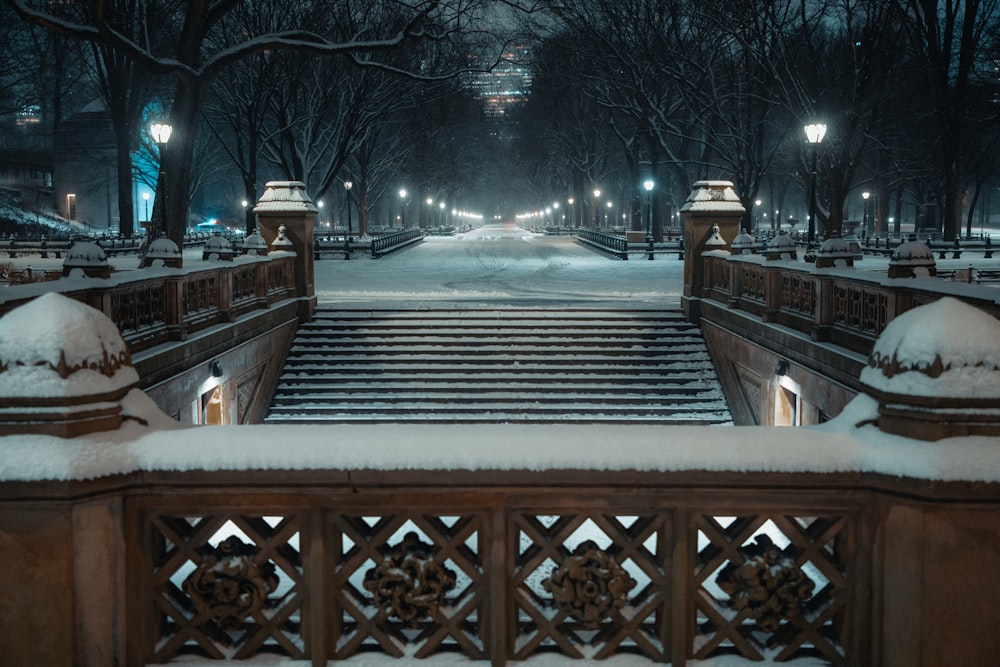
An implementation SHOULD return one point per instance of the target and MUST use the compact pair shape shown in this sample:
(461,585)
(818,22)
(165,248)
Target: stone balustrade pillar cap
(64,369)
(935,372)
(285,197)
(713,197)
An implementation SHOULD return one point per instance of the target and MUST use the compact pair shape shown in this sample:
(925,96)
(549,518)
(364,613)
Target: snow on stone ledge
(56,346)
(946,348)
(840,445)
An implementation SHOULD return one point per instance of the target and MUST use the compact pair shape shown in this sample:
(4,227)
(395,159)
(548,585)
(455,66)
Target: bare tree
(183,45)
(950,41)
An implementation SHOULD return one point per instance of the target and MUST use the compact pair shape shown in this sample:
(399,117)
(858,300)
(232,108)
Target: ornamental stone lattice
(229,586)
(409,584)
(589,586)
(768,585)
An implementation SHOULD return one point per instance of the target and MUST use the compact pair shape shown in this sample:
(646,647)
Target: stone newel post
(286,204)
(710,204)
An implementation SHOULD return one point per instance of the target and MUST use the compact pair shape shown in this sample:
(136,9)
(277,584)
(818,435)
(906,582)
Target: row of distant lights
(441,205)
(647,185)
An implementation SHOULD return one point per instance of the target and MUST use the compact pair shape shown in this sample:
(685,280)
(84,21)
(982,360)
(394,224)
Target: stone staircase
(513,365)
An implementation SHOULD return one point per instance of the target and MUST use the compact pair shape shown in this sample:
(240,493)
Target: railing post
(225,288)
(681,604)
(286,203)
(711,203)
(824,309)
(173,308)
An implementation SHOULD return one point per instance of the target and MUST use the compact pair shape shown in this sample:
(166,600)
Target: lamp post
(402,209)
(572,220)
(597,195)
(347,186)
(606,213)
(814,135)
(246,216)
(864,216)
(756,217)
(145,199)
(648,186)
(161,135)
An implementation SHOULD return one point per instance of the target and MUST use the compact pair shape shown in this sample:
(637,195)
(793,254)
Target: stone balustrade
(846,307)
(155,306)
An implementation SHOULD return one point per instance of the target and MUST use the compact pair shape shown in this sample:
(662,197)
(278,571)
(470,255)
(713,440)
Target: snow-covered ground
(494,265)
(500,264)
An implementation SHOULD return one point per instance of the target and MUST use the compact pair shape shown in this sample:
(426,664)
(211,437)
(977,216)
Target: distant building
(507,84)
(86,188)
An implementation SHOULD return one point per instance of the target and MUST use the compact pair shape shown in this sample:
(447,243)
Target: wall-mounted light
(782,368)
(216,369)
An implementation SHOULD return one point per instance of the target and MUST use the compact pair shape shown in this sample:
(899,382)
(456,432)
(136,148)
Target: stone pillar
(286,203)
(710,204)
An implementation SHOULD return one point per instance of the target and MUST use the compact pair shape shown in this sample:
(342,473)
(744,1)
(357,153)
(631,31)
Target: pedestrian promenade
(500,264)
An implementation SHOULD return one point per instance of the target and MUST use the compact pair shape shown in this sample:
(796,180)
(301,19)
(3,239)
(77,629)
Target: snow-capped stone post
(87,258)
(64,369)
(286,204)
(912,259)
(935,371)
(710,204)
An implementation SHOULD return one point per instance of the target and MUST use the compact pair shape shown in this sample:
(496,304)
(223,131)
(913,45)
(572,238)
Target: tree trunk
(126,212)
(178,158)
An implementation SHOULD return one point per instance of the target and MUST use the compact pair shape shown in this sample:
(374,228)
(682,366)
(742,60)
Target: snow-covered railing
(154,306)
(390,243)
(847,307)
(613,244)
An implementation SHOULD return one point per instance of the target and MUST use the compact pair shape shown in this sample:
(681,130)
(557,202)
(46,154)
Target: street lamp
(648,186)
(572,220)
(161,135)
(347,186)
(814,135)
(402,209)
(756,217)
(145,198)
(597,195)
(246,216)
(864,216)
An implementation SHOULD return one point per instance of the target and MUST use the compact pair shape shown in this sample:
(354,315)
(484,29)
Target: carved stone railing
(511,566)
(846,307)
(155,306)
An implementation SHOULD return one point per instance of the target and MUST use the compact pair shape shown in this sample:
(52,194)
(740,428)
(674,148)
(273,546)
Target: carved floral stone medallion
(589,586)
(410,584)
(228,586)
(767,584)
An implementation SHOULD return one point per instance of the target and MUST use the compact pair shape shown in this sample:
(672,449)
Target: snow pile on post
(935,371)
(63,369)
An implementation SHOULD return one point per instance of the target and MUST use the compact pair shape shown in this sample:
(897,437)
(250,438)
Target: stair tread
(499,365)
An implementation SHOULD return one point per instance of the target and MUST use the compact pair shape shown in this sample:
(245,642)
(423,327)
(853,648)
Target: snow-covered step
(500,365)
